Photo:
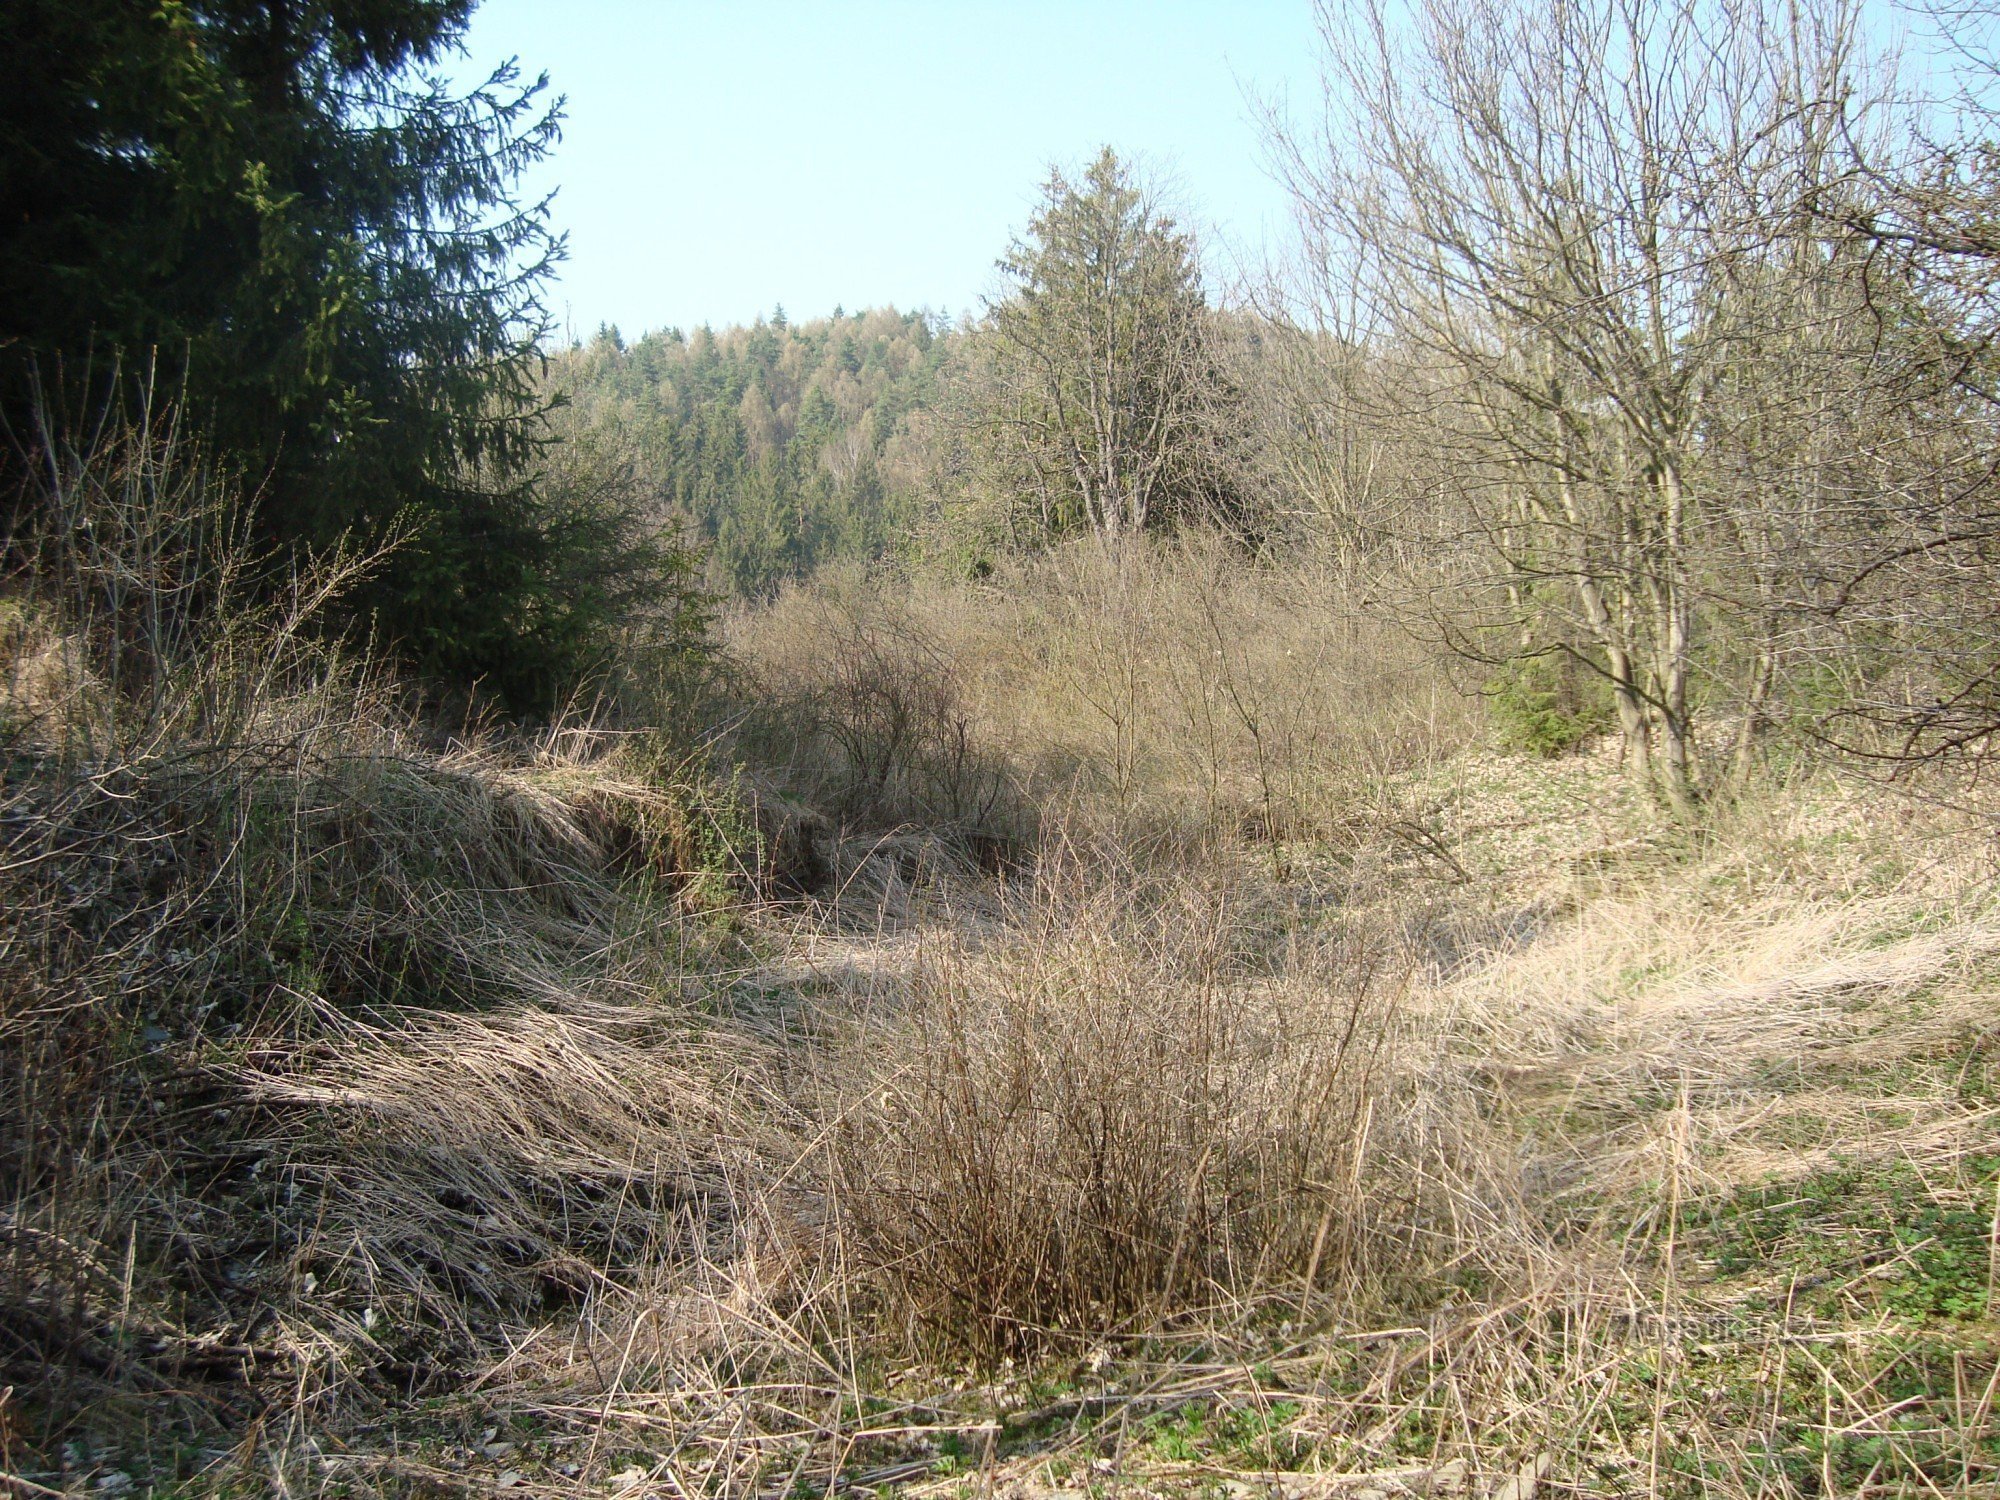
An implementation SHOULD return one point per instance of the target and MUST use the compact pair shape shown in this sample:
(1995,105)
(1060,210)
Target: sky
(721,158)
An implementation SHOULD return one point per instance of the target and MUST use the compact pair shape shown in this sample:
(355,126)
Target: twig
(22,1486)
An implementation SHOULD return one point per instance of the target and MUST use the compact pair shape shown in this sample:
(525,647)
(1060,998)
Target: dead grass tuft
(1112,1114)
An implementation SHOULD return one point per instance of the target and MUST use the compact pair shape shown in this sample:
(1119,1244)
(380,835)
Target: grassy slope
(1744,1090)
(1738,1088)
(1677,1173)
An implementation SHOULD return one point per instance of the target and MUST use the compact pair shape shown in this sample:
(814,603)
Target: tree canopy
(287,205)
(1104,385)
(782,445)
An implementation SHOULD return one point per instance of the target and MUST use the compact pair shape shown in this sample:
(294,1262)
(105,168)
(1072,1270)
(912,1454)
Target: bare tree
(1912,603)
(1589,226)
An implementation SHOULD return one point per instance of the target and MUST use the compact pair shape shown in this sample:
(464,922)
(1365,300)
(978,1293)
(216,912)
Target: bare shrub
(1177,687)
(861,709)
(1109,1120)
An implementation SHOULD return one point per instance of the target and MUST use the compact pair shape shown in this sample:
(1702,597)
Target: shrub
(1105,1123)
(1168,686)
(861,708)
(1549,705)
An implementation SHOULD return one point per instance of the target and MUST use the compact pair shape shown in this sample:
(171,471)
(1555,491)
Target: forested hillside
(1104,390)
(784,446)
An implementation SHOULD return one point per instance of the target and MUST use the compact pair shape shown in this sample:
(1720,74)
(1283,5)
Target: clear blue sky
(724,156)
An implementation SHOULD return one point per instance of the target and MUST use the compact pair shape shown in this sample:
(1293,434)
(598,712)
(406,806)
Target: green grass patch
(1874,1238)
(1237,1436)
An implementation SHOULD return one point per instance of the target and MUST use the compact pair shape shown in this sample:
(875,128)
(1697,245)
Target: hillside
(783,446)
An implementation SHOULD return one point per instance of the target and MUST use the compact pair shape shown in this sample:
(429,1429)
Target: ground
(1739,1088)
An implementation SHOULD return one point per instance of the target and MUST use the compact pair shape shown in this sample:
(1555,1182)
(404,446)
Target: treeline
(1643,351)
(782,445)
(1104,392)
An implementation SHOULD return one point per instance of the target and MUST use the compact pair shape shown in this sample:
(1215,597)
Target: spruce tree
(1104,398)
(286,205)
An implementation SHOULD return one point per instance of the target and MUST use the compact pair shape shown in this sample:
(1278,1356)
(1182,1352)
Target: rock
(1524,1484)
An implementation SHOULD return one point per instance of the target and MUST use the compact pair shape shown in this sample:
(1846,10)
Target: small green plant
(1548,705)
(725,840)
(1927,1259)
(1257,1436)
(1177,1436)
(1252,1435)
(951,1457)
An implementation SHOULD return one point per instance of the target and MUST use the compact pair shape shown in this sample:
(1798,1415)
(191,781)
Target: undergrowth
(1110,1025)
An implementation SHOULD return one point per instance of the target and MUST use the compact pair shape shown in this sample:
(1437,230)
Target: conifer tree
(285,204)
(1104,391)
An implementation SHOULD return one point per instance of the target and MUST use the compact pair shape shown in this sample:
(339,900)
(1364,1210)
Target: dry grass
(1113,1113)
(326,1052)
(1200,1069)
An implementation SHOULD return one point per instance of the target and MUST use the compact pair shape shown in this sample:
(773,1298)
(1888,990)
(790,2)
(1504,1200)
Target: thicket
(1682,368)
